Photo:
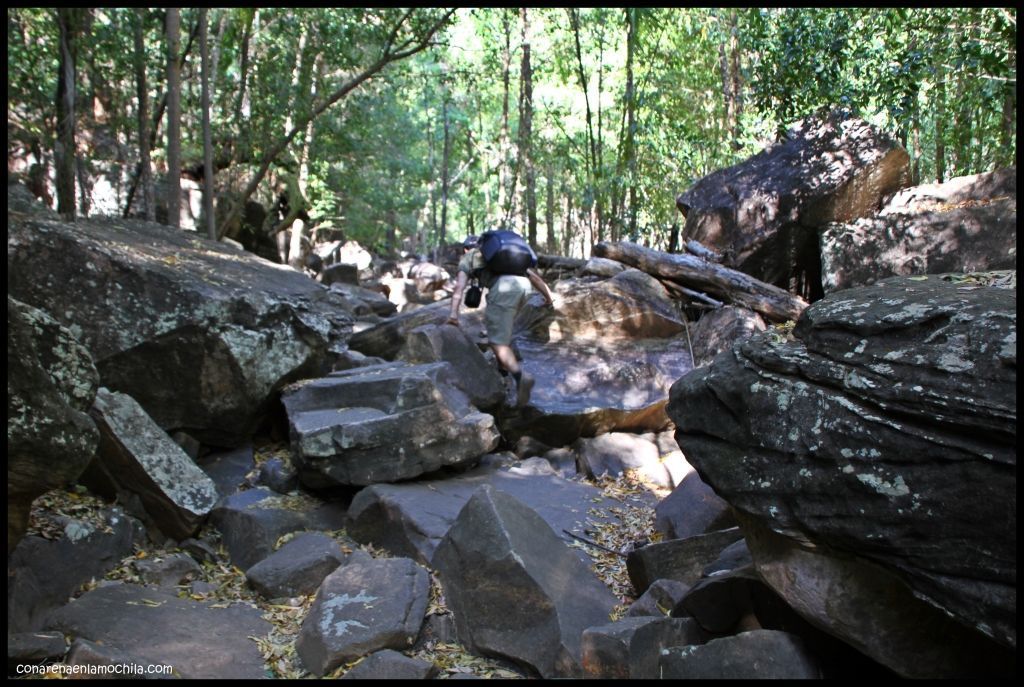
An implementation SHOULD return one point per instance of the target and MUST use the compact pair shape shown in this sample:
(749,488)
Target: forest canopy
(420,126)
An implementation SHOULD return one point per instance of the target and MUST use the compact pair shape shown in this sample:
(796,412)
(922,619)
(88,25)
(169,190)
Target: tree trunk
(526,135)
(173,118)
(154,128)
(204,48)
(505,180)
(145,167)
(549,210)
(940,121)
(696,273)
(631,40)
(64,146)
(445,173)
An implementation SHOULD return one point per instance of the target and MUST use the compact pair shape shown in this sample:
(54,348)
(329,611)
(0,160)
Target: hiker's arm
(460,285)
(539,284)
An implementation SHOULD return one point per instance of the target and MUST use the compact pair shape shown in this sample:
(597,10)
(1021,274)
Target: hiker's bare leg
(506,357)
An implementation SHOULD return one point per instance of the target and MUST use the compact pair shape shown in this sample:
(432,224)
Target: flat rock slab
(156,628)
(410,519)
(383,423)
(586,388)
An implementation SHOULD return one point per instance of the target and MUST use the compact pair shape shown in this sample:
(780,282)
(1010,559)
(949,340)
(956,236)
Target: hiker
(509,284)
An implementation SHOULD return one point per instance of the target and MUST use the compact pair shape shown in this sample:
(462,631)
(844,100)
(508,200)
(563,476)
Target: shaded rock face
(201,334)
(968,224)
(630,305)
(763,214)
(719,329)
(51,383)
(139,464)
(383,423)
(886,430)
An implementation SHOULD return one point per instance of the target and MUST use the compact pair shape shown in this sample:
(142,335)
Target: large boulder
(200,333)
(51,383)
(515,589)
(763,214)
(885,431)
(968,224)
(630,305)
(383,423)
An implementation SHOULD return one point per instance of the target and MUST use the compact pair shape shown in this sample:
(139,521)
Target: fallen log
(733,286)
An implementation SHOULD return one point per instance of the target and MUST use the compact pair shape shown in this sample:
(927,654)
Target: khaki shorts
(504,299)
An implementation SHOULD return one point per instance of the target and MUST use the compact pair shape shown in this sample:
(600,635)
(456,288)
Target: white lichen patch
(896,487)
(952,362)
(334,605)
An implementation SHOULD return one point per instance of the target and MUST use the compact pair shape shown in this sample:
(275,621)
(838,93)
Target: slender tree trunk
(85,96)
(173,118)
(154,128)
(631,40)
(64,147)
(505,178)
(940,122)
(445,173)
(526,135)
(296,227)
(204,48)
(549,210)
(145,167)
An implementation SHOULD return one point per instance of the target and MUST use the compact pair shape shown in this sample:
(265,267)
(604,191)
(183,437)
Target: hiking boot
(524,388)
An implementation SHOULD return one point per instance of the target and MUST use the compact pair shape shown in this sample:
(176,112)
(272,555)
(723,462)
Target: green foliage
(942,80)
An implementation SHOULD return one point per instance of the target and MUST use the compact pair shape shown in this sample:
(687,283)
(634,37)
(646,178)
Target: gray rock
(631,648)
(388,664)
(51,383)
(144,468)
(659,599)
(168,571)
(362,607)
(279,475)
(228,469)
(865,433)
(42,574)
(719,330)
(616,452)
(693,508)
(760,655)
(412,518)
(733,557)
(151,627)
(515,589)
(33,648)
(967,224)
(250,522)
(682,560)
(383,424)
(201,334)
(475,376)
(296,568)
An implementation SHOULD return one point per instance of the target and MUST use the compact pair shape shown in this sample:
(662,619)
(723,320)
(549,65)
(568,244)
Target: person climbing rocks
(509,285)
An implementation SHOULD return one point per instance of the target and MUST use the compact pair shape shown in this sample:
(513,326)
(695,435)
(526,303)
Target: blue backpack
(506,252)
